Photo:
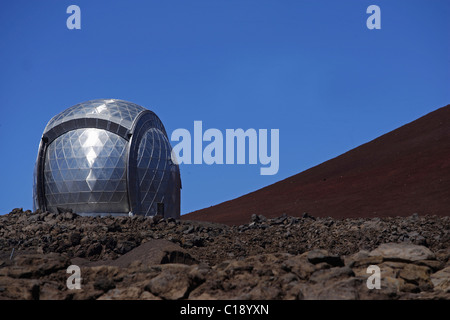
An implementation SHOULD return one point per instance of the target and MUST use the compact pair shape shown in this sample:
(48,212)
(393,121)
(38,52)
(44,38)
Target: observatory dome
(106,157)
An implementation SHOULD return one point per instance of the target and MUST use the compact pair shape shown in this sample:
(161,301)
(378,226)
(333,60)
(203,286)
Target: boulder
(152,252)
(441,280)
(403,252)
(172,283)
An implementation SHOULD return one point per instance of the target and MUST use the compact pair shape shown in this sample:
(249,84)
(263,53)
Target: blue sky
(311,69)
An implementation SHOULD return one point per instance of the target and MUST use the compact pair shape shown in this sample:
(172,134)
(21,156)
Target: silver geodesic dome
(105,157)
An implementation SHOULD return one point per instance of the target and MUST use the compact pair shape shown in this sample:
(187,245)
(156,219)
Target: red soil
(403,172)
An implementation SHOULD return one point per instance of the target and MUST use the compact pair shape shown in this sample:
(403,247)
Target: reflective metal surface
(153,169)
(106,157)
(118,111)
(85,170)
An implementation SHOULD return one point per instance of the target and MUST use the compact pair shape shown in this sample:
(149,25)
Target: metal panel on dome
(118,111)
(153,161)
(85,170)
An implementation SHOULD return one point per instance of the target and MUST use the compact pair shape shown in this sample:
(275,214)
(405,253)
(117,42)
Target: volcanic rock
(303,258)
(403,251)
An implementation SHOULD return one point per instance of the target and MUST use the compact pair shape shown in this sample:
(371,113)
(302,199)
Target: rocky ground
(280,258)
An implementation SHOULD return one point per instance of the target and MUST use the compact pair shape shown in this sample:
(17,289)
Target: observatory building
(107,157)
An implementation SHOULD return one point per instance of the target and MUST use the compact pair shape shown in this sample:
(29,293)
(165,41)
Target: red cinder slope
(403,172)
